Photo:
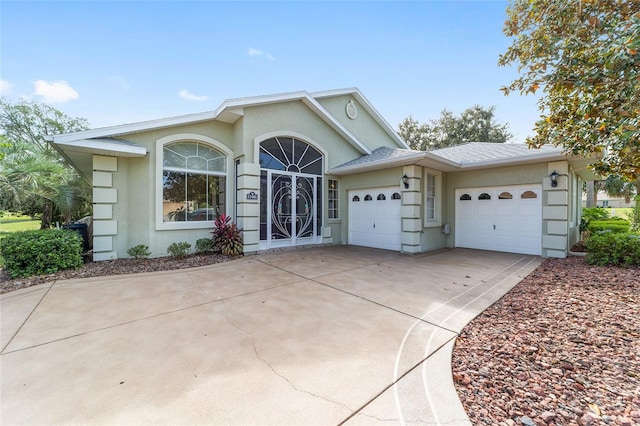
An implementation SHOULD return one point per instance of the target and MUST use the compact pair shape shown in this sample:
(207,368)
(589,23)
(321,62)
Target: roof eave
(377,165)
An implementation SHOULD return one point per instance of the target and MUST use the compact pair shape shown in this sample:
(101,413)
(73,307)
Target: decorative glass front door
(290,204)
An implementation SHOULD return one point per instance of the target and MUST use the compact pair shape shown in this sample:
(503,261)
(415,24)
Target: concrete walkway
(335,335)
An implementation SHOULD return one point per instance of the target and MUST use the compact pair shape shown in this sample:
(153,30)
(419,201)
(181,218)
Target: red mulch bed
(561,348)
(114,267)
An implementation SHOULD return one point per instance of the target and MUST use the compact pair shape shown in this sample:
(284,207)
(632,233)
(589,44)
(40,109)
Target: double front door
(289,209)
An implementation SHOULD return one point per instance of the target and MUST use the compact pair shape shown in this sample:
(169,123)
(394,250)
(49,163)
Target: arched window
(484,196)
(381,197)
(465,197)
(505,196)
(528,194)
(396,196)
(291,155)
(193,182)
(368,197)
(355,198)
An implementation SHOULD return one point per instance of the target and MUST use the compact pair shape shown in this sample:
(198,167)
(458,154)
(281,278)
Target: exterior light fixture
(554,178)
(405,181)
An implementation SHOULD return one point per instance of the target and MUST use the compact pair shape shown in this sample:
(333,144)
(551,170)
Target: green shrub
(614,226)
(613,249)
(39,252)
(139,252)
(634,215)
(227,237)
(179,249)
(590,214)
(204,245)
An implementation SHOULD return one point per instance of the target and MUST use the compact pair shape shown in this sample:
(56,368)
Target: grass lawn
(622,212)
(13,223)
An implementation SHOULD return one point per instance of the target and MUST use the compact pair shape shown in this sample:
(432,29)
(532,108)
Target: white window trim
(160,143)
(339,218)
(438,199)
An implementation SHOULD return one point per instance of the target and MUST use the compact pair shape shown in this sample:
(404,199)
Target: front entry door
(288,211)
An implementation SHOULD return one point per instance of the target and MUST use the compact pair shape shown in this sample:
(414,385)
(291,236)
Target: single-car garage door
(374,217)
(501,218)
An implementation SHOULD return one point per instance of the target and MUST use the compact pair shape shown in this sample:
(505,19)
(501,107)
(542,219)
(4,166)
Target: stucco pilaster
(105,228)
(555,211)
(411,210)
(248,208)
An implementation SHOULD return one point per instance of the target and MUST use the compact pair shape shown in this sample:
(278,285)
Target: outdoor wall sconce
(405,181)
(554,178)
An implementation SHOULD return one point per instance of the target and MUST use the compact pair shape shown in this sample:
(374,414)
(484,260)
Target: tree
(31,172)
(583,55)
(616,186)
(475,124)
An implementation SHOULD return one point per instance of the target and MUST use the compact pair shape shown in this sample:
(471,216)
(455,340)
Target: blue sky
(116,62)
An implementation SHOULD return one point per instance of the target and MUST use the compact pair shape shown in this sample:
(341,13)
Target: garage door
(505,218)
(374,217)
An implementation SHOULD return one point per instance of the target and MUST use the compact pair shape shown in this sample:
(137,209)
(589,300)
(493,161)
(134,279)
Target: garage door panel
(375,220)
(512,223)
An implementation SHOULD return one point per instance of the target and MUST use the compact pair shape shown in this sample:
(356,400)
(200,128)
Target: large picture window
(193,182)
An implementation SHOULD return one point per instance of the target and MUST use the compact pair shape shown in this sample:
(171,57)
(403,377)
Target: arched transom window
(193,182)
(291,155)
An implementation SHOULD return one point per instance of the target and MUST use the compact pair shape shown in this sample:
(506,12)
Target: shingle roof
(382,154)
(482,152)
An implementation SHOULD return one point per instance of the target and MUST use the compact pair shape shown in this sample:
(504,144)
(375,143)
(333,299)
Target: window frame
(333,194)
(159,172)
(437,198)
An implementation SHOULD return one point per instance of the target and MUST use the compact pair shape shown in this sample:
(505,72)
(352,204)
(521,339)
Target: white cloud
(254,53)
(55,92)
(5,87)
(188,96)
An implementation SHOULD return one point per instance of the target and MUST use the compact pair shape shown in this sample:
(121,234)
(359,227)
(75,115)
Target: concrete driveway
(334,335)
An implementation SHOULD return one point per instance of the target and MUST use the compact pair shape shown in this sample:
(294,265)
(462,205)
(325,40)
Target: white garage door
(504,218)
(374,217)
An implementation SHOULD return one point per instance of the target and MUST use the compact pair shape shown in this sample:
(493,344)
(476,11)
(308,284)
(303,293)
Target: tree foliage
(475,124)
(32,174)
(583,55)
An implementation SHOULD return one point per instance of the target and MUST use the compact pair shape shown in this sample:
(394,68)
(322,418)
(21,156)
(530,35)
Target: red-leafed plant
(227,237)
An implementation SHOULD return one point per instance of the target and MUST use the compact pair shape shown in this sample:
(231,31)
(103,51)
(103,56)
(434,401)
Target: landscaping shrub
(227,237)
(179,249)
(615,226)
(590,214)
(613,249)
(29,253)
(204,245)
(634,216)
(139,252)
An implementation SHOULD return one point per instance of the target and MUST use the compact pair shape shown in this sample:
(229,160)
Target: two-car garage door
(506,218)
(375,217)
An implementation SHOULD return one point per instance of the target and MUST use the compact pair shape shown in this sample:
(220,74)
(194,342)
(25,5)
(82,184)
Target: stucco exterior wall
(135,181)
(363,126)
